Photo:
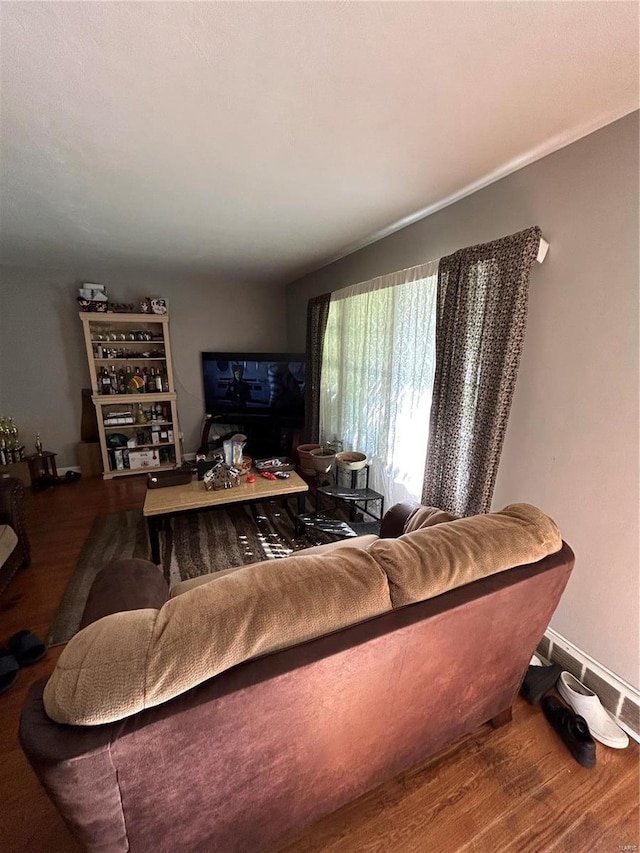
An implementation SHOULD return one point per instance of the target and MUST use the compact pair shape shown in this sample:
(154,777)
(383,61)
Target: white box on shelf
(144,459)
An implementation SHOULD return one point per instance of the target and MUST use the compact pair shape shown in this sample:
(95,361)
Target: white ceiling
(259,140)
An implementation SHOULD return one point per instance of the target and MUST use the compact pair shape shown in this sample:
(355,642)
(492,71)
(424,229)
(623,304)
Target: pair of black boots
(571,727)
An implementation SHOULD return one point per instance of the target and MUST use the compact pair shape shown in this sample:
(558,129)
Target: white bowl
(351,460)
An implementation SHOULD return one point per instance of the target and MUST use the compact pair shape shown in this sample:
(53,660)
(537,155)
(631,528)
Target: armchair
(15,552)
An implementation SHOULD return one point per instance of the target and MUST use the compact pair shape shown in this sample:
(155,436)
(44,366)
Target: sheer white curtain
(377,376)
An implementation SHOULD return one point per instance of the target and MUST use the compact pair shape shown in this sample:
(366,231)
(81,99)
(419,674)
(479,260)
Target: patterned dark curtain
(317,313)
(481,319)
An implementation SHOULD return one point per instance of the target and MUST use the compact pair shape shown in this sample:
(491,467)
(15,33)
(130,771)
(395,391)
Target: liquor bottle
(122,385)
(105,382)
(138,382)
(113,379)
(159,412)
(164,380)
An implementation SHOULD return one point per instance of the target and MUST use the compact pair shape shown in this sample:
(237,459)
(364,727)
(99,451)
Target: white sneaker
(535,661)
(585,703)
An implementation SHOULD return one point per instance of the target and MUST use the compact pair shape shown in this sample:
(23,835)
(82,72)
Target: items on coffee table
(274,464)
(222,476)
(233,448)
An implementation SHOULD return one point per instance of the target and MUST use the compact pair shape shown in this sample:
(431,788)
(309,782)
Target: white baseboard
(587,665)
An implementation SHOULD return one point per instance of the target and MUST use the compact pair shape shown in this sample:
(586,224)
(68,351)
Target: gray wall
(572,441)
(43,363)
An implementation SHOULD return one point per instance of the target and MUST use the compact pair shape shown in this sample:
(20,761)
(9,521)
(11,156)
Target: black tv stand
(264,437)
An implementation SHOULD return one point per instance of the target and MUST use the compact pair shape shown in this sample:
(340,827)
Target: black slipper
(572,729)
(9,669)
(538,681)
(26,648)
(71,477)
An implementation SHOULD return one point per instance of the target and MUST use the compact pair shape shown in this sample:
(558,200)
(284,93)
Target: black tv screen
(254,385)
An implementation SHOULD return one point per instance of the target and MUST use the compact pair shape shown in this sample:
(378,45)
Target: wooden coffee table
(160,504)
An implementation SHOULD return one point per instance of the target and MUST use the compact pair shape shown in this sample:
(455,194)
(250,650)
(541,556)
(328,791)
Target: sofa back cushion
(433,559)
(363,542)
(129,661)
(426,516)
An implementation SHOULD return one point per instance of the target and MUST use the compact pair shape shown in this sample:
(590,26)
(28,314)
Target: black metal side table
(352,496)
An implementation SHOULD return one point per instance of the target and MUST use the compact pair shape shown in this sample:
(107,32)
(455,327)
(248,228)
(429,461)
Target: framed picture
(157,305)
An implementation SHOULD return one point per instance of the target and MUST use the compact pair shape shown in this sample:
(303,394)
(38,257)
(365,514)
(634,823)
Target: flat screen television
(249,386)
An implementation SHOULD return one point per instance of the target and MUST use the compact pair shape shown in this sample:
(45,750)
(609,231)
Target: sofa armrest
(12,513)
(395,518)
(125,585)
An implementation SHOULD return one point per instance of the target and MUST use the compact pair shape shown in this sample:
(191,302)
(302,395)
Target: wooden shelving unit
(123,351)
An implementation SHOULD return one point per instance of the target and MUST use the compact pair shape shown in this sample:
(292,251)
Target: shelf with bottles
(131,380)
(129,359)
(128,353)
(138,460)
(134,425)
(141,434)
(140,412)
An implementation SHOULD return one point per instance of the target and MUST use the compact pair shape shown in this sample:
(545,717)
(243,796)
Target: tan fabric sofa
(267,696)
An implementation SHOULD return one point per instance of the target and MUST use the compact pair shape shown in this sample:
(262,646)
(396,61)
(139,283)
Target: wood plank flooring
(512,789)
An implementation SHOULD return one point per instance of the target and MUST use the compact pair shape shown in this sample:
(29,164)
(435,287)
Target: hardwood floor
(512,789)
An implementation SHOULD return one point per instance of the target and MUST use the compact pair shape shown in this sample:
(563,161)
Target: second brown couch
(247,756)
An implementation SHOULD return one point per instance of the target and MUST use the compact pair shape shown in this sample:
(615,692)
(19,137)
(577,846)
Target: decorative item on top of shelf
(122,307)
(93,297)
(157,305)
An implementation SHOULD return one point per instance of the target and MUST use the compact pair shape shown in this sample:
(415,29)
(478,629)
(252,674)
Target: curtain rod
(543,248)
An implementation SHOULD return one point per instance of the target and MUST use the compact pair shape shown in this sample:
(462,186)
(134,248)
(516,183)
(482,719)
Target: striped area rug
(191,545)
